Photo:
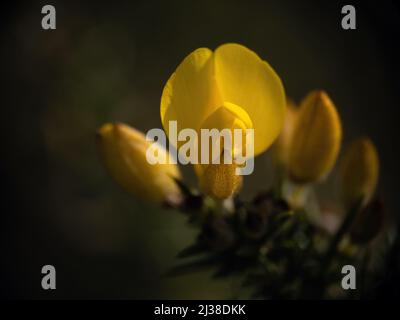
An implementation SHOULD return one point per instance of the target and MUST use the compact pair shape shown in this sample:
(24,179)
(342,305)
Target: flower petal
(249,82)
(190,94)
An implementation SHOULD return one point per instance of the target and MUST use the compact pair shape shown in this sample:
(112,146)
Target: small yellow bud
(359,171)
(123,151)
(220,180)
(316,139)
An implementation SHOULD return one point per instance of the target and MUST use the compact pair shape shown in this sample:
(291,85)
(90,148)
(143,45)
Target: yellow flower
(359,171)
(281,147)
(316,139)
(230,88)
(123,151)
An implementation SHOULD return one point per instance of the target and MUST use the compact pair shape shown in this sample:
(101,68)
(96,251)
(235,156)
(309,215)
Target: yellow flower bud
(359,171)
(220,180)
(123,151)
(316,139)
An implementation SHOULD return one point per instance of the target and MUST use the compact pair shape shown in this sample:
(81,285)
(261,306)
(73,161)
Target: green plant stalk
(332,249)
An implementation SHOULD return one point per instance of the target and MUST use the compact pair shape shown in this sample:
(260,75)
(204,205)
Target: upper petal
(190,94)
(247,81)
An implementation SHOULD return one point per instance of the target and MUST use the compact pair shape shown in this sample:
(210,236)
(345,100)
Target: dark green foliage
(275,250)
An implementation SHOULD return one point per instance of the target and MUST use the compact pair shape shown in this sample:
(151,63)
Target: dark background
(109,61)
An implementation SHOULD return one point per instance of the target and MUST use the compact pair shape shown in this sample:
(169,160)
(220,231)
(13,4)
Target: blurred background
(108,61)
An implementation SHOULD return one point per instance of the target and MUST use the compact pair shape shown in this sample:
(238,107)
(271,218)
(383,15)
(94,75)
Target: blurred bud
(368,222)
(316,139)
(282,145)
(123,151)
(359,171)
(220,181)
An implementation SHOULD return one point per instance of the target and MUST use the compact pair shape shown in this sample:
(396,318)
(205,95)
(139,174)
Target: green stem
(332,249)
(348,221)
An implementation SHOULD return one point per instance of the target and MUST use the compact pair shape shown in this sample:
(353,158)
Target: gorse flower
(316,139)
(230,88)
(123,151)
(359,171)
(266,237)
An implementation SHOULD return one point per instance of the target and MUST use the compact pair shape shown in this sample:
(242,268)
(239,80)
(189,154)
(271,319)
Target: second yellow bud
(359,171)
(316,139)
(123,151)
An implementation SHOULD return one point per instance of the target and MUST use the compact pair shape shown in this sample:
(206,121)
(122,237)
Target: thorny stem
(348,221)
